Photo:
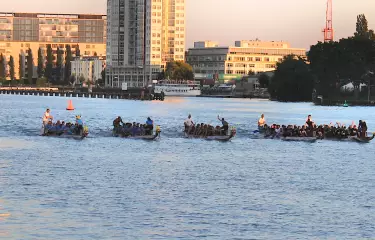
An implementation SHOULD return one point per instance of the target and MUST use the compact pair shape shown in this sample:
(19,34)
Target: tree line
(56,70)
(329,66)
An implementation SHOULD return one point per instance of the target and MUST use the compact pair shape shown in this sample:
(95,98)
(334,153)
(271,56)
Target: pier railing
(134,94)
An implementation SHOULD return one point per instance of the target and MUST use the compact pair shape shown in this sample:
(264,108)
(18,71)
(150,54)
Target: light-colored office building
(235,62)
(21,31)
(89,68)
(143,35)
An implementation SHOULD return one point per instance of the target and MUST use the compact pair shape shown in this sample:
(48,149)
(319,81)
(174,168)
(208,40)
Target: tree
(95,54)
(40,63)
(2,67)
(325,61)
(101,81)
(21,72)
(179,71)
(30,66)
(362,30)
(11,68)
(161,75)
(41,82)
(361,26)
(49,63)
(59,64)
(292,81)
(264,80)
(78,52)
(68,63)
(81,79)
(72,79)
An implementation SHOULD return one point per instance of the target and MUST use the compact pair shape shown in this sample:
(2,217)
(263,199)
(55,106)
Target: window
(257,59)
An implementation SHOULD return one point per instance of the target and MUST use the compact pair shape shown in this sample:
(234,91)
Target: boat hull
(70,136)
(145,137)
(190,93)
(300,139)
(225,138)
(81,136)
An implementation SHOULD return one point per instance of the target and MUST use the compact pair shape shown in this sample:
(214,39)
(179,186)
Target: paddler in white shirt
(261,121)
(47,117)
(188,124)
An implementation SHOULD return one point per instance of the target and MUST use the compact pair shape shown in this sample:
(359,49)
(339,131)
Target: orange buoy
(70,106)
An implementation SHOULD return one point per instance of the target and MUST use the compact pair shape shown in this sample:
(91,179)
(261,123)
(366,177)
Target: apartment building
(90,68)
(143,35)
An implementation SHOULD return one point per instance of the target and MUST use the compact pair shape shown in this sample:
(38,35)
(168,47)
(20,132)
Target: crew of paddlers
(205,130)
(60,127)
(133,129)
(310,129)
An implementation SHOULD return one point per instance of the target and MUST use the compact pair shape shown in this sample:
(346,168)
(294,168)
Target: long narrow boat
(221,138)
(299,139)
(351,139)
(83,134)
(291,139)
(314,139)
(153,137)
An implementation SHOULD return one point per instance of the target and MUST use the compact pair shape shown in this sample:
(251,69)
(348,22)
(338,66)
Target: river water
(176,188)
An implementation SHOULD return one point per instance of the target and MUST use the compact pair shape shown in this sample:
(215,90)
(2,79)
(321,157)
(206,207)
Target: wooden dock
(106,95)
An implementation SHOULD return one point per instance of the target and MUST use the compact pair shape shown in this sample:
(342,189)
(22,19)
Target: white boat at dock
(178,88)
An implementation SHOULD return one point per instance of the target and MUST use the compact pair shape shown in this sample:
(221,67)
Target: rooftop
(53,15)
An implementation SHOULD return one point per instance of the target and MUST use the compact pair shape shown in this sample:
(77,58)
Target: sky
(299,22)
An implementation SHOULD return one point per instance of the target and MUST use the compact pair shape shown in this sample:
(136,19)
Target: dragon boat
(315,138)
(151,137)
(78,135)
(221,138)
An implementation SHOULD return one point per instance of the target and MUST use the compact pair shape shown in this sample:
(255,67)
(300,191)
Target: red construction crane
(328,30)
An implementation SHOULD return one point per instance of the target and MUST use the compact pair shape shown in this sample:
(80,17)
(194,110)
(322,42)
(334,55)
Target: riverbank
(320,101)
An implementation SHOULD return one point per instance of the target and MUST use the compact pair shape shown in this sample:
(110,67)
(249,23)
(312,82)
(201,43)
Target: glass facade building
(21,31)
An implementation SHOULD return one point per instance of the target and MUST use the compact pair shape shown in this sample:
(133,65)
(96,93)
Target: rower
(309,122)
(149,126)
(188,124)
(79,124)
(261,121)
(47,117)
(225,126)
(116,123)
